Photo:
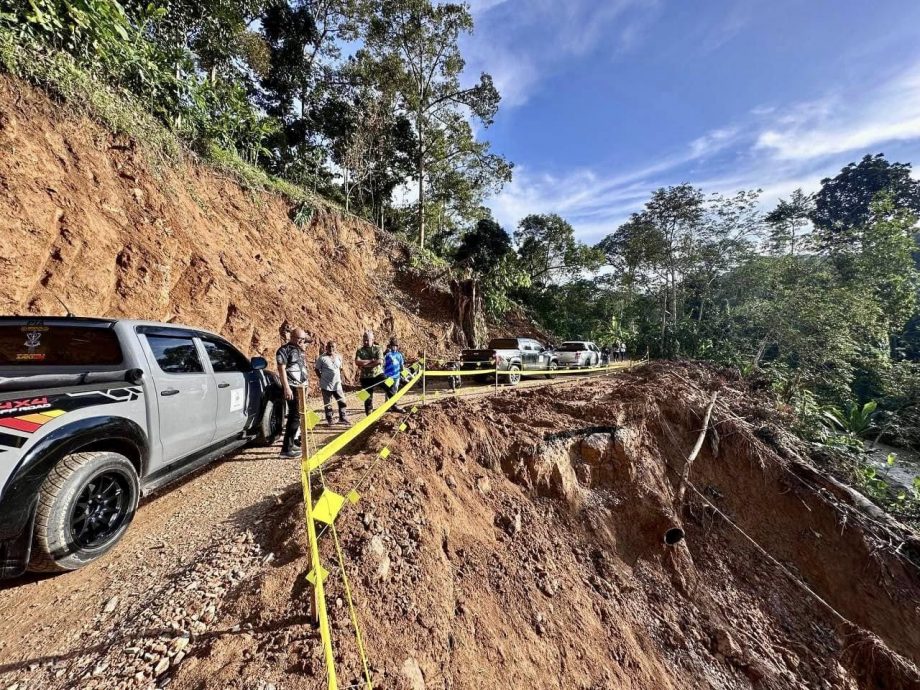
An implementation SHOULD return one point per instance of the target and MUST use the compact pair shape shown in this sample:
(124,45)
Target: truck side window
(225,358)
(175,355)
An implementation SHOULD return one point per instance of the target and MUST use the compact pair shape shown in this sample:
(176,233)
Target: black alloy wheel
(100,510)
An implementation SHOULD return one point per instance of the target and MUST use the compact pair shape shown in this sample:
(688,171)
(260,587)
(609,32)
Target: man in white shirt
(329,370)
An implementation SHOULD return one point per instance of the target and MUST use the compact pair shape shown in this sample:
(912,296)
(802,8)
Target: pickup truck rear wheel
(514,374)
(85,505)
(271,424)
(553,365)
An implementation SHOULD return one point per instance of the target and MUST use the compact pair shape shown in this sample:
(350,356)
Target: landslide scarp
(518,541)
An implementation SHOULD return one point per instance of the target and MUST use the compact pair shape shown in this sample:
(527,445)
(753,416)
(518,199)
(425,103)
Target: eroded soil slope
(517,541)
(85,217)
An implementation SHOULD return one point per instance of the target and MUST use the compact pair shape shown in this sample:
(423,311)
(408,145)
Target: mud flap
(15,551)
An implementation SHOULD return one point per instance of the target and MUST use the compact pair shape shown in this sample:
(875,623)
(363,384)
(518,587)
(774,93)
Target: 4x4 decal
(8,407)
(41,410)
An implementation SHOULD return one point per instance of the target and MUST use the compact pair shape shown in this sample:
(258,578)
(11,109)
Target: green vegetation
(349,102)
(345,99)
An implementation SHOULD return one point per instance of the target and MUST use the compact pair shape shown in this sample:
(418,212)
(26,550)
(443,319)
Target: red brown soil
(88,218)
(517,541)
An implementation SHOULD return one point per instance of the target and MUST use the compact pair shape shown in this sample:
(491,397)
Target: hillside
(94,221)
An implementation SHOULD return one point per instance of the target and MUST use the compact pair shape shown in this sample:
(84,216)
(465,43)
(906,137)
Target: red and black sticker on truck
(28,415)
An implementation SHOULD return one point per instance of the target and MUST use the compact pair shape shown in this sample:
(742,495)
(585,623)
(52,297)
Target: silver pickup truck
(510,356)
(95,413)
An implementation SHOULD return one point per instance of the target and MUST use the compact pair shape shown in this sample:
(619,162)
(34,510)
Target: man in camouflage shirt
(369,360)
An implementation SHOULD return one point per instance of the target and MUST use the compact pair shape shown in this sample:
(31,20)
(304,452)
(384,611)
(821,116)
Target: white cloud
(520,42)
(776,149)
(843,123)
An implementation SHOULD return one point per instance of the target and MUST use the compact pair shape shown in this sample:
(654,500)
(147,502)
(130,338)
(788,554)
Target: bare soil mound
(518,541)
(87,218)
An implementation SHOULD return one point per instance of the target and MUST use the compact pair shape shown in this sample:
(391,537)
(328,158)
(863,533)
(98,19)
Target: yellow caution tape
(384,453)
(460,372)
(362,395)
(317,569)
(402,427)
(351,609)
(353,496)
(389,381)
(323,574)
(343,439)
(562,372)
(328,506)
(312,419)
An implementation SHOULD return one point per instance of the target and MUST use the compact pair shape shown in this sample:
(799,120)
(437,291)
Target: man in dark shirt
(369,359)
(292,370)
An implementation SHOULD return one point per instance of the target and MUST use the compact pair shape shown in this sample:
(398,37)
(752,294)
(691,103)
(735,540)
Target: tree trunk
(470,321)
(664,317)
(421,201)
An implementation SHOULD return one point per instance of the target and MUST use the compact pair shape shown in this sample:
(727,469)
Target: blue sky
(605,100)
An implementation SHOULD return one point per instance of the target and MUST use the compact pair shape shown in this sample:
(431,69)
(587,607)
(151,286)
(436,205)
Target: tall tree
(788,223)
(549,251)
(843,203)
(416,42)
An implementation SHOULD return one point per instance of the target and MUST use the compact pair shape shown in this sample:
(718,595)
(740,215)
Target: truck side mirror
(259,363)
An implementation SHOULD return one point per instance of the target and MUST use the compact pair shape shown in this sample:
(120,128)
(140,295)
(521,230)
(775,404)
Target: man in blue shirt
(393,364)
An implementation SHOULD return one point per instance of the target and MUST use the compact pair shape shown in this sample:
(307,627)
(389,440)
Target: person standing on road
(605,355)
(292,371)
(369,359)
(329,370)
(622,351)
(393,365)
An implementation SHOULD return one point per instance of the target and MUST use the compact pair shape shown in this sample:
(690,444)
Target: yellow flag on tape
(414,410)
(328,506)
(312,419)
(353,496)
(389,382)
(384,453)
(362,395)
(311,576)
(402,427)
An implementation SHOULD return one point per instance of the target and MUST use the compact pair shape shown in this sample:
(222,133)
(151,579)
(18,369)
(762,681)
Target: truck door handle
(170,391)
(223,385)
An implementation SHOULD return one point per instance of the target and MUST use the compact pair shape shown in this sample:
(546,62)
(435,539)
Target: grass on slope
(121,113)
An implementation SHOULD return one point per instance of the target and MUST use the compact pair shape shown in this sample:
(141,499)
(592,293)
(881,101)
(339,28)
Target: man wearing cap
(369,360)
(329,370)
(292,371)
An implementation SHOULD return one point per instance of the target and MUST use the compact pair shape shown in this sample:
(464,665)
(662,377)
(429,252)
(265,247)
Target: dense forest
(366,104)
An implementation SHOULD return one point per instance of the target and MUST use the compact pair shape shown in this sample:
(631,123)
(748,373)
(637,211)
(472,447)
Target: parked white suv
(578,353)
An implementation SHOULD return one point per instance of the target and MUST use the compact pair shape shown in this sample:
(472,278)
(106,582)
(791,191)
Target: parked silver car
(578,353)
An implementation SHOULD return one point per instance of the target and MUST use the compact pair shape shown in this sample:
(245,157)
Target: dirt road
(116,622)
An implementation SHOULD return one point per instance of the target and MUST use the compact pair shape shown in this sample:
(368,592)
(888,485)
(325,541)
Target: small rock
(412,674)
(483,484)
(378,554)
(161,667)
(110,605)
(178,644)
